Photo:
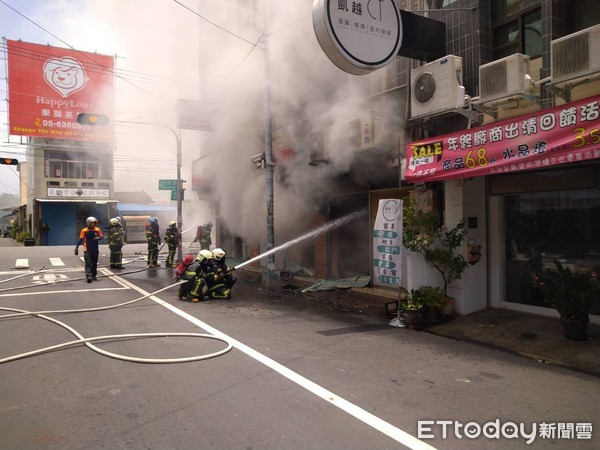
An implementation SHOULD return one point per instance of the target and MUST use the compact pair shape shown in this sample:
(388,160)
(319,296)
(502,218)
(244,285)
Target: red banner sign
(564,134)
(49,86)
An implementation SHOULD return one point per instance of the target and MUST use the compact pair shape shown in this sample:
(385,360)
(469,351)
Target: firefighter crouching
(219,280)
(195,275)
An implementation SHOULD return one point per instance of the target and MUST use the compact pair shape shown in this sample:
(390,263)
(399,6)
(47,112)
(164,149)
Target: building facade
(66,182)
(522,218)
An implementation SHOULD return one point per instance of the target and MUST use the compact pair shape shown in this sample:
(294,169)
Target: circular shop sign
(358,36)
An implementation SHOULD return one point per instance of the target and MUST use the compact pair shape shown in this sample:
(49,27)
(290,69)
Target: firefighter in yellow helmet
(172,238)
(196,274)
(219,279)
(116,241)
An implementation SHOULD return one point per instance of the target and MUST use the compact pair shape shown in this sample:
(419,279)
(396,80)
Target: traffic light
(9,161)
(92,119)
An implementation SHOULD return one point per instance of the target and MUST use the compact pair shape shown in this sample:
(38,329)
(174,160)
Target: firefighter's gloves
(76,251)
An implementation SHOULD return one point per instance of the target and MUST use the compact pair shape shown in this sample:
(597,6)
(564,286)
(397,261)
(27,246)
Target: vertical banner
(387,243)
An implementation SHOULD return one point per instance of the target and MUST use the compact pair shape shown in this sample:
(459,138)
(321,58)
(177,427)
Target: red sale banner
(564,134)
(49,86)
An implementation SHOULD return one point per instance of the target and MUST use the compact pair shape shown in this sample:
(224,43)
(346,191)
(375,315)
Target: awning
(138,209)
(550,137)
(75,200)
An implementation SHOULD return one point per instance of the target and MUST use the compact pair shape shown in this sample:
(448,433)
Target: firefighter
(203,236)
(153,240)
(222,267)
(196,274)
(172,239)
(217,285)
(89,237)
(116,241)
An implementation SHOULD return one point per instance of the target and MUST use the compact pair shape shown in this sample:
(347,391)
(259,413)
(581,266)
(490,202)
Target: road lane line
(66,291)
(364,416)
(22,263)
(56,261)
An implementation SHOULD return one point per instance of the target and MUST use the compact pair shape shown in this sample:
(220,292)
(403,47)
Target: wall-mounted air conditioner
(576,55)
(504,78)
(437,87)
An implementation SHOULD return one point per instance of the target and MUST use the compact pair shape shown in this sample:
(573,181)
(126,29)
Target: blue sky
(150,81)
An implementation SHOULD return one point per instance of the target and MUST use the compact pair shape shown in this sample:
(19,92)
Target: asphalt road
(298,375)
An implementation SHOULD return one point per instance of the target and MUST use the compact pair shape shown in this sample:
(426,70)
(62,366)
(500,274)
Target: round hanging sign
(358,36)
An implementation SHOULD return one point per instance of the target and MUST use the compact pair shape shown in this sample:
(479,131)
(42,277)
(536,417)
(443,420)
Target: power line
(214,24)
(84,54)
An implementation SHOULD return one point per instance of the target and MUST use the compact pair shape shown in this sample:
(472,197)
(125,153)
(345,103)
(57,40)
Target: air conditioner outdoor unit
(504,78)
(576,55)
(437,87)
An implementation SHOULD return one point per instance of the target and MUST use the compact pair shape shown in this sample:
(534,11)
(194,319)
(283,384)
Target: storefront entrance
(554,217)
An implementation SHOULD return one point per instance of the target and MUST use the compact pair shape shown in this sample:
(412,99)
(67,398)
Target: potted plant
(413,308)
(433,299)
(572,294)
(438,245)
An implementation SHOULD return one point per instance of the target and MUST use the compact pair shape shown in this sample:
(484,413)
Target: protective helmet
(89,220)
(204,254)
(114,221)
(218,253)
(172,224)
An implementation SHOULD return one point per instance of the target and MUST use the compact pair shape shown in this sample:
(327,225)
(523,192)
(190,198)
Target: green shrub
(23,235)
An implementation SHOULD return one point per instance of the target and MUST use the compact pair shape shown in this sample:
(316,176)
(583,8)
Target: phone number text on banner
(564,134)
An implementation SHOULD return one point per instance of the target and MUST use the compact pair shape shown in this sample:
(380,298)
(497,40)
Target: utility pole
(271,278)
(179,183)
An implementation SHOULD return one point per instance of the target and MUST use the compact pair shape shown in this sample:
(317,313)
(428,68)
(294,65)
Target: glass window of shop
(582,14)
(517,28)
(548,215)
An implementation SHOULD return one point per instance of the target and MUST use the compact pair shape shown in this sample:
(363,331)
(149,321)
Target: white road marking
(379,424)
(56,261)
(22,264)
(43,279)
(46,278)
(65,291)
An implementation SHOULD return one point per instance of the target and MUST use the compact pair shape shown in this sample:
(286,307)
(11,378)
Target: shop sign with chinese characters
(564,134)
(387,243)
(49,86)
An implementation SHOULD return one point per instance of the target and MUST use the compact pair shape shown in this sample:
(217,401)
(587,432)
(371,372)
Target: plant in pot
(438,245)
(434,299)
(413,308)
(572,294)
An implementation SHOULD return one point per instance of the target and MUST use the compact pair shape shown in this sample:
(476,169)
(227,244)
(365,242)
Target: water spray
(328,226)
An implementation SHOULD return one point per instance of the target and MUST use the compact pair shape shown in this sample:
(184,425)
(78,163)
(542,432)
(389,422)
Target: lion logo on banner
(65,75)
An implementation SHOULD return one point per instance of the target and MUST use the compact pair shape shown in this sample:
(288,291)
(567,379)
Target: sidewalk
(532,336)
(9,242)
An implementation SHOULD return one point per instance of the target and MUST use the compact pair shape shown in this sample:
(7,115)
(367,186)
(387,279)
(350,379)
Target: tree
(438,245)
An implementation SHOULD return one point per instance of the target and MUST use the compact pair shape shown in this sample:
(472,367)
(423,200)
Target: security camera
(259,160)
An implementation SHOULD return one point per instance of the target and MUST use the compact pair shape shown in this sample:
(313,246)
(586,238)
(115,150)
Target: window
(582,14)
(517,28)
(444,3)
(61,164)
(539,229)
